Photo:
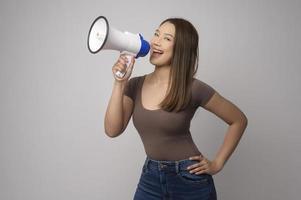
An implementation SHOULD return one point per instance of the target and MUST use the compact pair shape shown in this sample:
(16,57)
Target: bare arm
(236,120)
(120,107)
(114,113)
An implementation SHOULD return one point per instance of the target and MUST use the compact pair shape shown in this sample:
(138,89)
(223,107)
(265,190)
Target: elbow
(110,135)
(112,131)
(244,121)
(241,121)
(113,134)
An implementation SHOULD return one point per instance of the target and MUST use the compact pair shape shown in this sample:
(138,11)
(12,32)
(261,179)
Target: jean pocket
(191,178)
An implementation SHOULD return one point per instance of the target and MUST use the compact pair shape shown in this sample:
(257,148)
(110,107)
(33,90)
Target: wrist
(219,163)
(119,83)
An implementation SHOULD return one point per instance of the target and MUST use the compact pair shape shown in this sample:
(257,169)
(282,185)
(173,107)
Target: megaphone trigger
(129,57)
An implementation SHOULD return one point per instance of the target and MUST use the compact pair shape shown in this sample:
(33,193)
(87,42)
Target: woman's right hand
(121,66)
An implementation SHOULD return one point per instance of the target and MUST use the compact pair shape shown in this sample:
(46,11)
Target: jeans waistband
(167,165)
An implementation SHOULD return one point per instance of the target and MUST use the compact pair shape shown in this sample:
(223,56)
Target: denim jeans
(170,180)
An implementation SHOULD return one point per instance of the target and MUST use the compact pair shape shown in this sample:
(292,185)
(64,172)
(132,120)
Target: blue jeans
(170,180)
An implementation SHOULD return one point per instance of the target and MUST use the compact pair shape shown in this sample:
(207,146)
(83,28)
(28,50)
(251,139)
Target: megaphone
(102,36)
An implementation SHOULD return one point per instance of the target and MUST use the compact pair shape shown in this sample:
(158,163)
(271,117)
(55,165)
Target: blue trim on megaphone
(144,49)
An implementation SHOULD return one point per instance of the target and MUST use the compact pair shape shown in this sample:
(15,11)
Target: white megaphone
(102,36)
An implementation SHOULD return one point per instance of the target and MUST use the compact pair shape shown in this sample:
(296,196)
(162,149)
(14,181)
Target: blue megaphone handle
(144,47)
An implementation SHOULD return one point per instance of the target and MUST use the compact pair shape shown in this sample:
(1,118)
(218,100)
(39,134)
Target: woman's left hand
(204,166)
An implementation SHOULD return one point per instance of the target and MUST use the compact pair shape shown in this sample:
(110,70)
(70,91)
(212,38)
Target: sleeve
(203,93)
(130,88)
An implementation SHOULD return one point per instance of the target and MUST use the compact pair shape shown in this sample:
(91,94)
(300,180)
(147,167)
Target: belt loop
(146,162)
(159,164)
(177,167)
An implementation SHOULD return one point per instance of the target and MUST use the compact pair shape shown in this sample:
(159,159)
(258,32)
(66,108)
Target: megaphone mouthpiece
(144,47)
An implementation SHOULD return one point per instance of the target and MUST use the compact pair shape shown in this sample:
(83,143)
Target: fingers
(123,59)
(199,170)
(124,64)
(202,171)
(200,167)
(199,157)
(131,65)
(120,65)
(200,164)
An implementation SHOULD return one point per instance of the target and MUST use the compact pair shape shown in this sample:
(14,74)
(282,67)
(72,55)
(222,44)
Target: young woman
(162,104)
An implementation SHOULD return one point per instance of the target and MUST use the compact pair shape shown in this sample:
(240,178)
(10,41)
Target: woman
(162,104)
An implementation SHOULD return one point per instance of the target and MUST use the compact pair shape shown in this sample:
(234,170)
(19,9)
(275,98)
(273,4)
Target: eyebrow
(165,33)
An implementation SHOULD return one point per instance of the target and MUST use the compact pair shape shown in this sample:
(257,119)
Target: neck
(160,75)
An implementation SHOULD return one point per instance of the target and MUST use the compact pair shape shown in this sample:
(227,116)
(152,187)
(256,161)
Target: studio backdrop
(54,93)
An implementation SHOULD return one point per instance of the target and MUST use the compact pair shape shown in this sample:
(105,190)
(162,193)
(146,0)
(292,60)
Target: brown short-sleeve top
(166,135)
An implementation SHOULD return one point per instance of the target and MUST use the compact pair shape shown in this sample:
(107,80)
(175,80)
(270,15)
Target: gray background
(54,95)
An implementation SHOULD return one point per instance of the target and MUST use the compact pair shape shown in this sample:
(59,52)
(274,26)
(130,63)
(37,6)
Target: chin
(159,62)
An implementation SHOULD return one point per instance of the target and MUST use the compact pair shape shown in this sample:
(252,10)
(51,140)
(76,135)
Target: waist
(168,165)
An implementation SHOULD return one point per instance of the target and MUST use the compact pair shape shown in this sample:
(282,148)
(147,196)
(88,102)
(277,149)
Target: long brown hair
(184,65)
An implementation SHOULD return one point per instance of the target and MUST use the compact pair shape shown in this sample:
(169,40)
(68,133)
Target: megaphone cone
(102,36)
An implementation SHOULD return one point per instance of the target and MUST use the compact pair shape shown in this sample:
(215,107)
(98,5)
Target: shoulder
(199,84)
(201,91)
(135,80)
(131,87)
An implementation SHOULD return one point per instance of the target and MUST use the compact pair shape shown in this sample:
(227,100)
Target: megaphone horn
(102,36)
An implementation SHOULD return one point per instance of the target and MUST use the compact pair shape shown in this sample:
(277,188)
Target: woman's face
(162,43)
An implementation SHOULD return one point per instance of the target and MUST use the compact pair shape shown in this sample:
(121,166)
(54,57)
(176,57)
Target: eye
(156,34)
(167,38)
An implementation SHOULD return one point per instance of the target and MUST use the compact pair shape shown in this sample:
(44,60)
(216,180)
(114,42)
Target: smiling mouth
(157,53)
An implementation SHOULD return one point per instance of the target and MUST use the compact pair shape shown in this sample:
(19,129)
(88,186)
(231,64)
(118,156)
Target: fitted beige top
(166,135)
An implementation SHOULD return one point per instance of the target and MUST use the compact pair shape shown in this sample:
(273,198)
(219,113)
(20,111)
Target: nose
(156,42)
(155,45)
